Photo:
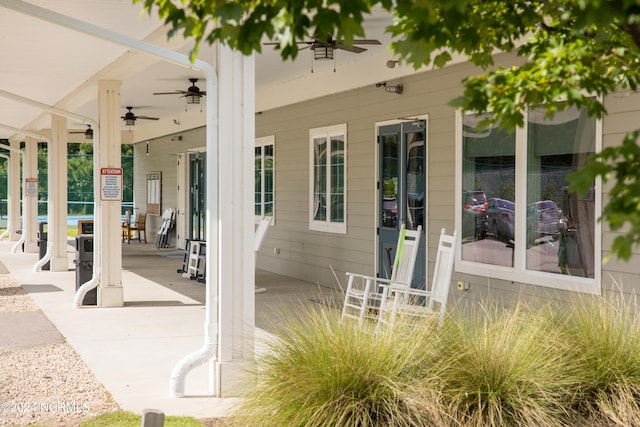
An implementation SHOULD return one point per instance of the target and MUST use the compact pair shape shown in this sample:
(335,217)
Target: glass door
(197,196)
(402,192)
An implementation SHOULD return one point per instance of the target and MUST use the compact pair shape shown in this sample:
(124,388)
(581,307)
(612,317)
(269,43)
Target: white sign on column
(111,184)
(31,187)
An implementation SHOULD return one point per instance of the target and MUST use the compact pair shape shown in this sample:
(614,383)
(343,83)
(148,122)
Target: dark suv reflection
(474,214)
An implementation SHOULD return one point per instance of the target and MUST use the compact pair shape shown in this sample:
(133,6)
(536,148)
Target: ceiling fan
(324,49)
(88,133)
(192,95)
(130,118)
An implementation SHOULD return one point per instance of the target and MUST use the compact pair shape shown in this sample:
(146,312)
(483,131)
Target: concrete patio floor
(133,349)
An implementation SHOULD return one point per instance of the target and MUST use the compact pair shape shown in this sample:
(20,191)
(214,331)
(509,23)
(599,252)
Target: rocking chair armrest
(363,276)
(388,284)
(398,289)
(366,277)
(418,292)
(381,281)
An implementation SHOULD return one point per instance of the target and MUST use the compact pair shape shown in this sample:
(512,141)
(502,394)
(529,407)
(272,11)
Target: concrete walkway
(132,350)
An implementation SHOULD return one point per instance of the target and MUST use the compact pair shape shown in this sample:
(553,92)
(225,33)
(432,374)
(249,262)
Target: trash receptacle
(42,242)
(84,267)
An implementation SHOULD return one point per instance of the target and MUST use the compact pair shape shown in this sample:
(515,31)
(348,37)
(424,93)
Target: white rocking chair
(362,298)
(261,231)
(420,302)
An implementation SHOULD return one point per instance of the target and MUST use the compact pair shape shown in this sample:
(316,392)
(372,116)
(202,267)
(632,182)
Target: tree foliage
(570,53)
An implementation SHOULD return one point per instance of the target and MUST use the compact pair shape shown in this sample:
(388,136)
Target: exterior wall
(623,117)
(291,249)
(324,257)
(163,157)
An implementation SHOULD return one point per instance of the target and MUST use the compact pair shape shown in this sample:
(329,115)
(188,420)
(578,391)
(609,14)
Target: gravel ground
(45,384)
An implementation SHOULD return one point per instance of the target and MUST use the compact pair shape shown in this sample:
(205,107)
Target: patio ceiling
(61,67)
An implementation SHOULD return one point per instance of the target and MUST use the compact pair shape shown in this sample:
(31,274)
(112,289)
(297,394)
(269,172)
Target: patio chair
(362,298)
(412,302)
(139,226)
(126,225)
(163,238)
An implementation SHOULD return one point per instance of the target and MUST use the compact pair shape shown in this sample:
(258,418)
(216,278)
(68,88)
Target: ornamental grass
(527,365)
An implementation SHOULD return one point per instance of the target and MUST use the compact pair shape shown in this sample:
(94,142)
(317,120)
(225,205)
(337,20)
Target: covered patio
(133,349)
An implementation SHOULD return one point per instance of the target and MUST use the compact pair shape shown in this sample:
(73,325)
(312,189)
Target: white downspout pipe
(95,277)
(209,348)
(42,261)
(22,239)
(12,218)
(49,108)
(93,283)
(47,256)
(8,230)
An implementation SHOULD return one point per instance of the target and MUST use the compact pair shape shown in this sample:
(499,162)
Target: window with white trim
(264,177)
(327,180)
(516,218)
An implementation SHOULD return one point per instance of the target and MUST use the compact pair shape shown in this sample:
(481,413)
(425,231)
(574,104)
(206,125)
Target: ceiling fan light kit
(323,53)
(88,133)
(323,49)
(130,118)
(192,98)
(192,95)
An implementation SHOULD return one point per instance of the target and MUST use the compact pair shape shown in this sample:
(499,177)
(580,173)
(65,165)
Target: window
(517,219)
(264,169)
(327,192)
(154,192)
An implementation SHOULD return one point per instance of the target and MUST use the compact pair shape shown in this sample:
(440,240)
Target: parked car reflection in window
(543,219)
(389,212)
(501,217)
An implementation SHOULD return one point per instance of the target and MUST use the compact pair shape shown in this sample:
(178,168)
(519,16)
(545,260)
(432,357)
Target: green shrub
(325,373)
(603,341)
(549,365)
(501,367)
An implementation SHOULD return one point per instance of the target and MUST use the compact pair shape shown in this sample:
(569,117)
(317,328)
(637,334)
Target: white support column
(14,196)
(107,244)
(30,201)
(57,189)
(236,284)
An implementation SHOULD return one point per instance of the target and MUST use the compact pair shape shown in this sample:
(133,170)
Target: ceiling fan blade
(309,42)
(367,41)
(175,92)
(147,118)
(354,49)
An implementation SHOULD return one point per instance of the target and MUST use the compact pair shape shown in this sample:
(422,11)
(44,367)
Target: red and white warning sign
(111,184)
